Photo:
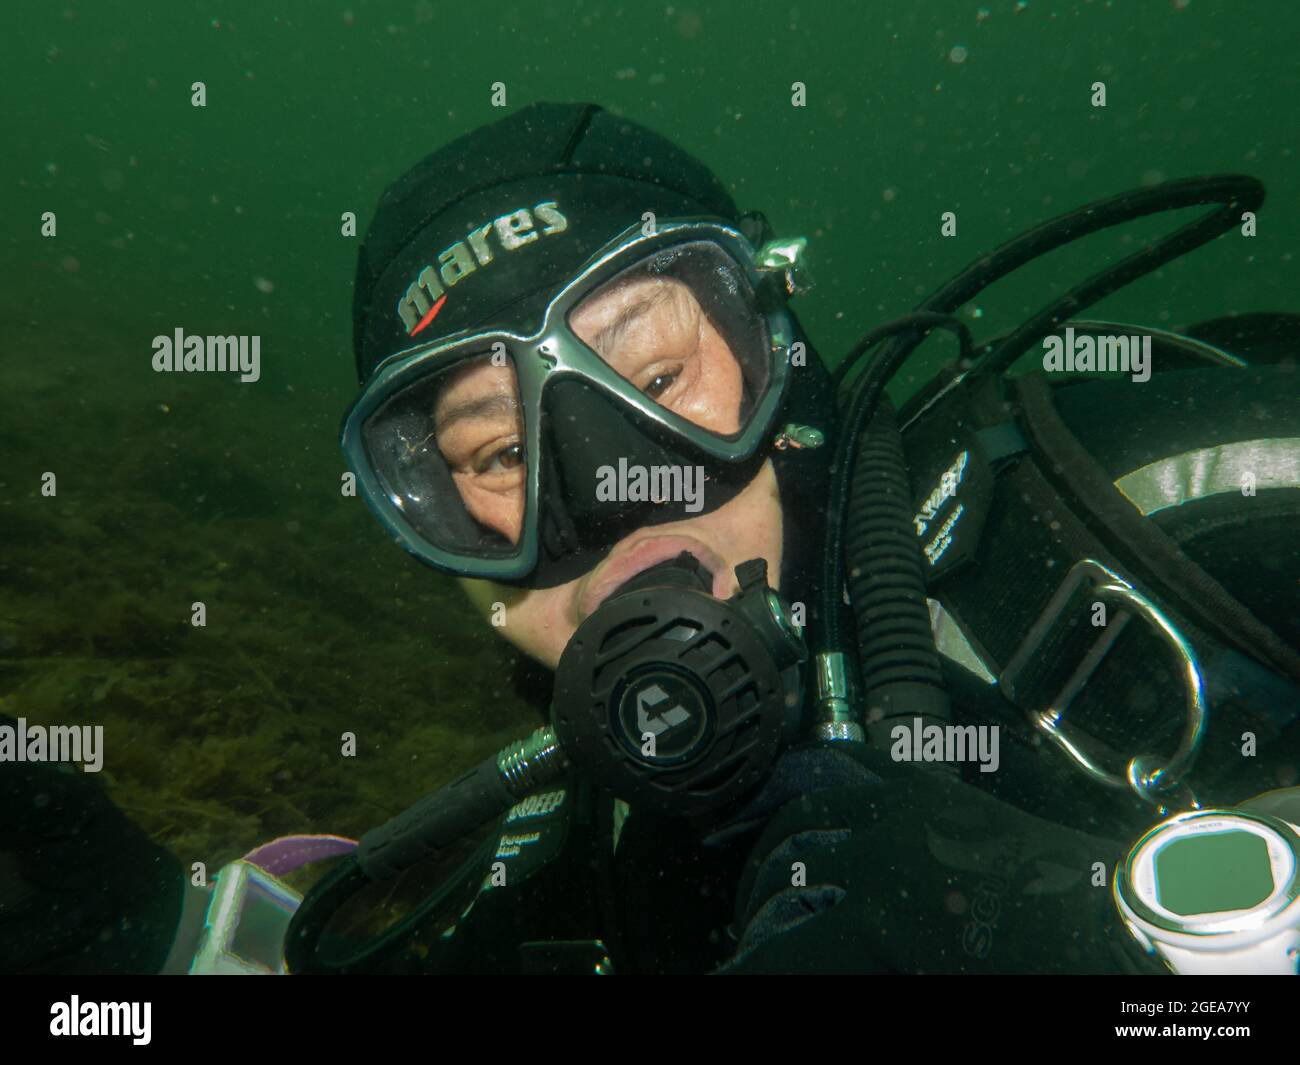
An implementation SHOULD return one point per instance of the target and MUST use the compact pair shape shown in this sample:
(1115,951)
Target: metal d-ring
(1151,784)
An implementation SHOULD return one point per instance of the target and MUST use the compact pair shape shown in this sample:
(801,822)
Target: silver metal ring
(1150,784)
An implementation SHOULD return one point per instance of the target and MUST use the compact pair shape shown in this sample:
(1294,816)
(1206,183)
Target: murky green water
(226,219)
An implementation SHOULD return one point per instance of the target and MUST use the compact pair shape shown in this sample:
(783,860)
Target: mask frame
(553,353)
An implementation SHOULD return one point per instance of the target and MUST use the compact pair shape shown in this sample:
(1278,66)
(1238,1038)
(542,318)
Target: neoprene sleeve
(920,873)
(82,888)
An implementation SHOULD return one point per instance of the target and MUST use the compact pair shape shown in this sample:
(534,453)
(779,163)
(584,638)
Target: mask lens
(449,453)
(684,326)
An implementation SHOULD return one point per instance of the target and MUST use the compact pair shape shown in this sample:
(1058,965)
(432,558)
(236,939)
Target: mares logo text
(424,298)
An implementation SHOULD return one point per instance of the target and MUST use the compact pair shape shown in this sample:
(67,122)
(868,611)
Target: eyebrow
(473,408)
(630,314)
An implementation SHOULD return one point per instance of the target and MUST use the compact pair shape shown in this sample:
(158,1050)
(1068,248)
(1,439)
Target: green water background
(226,219)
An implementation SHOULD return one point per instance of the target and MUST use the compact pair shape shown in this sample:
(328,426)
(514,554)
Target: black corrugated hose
(900,669)
(900,666)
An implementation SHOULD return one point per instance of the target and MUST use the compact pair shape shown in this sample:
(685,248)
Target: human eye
(662,359)
(658,382)
(502,460)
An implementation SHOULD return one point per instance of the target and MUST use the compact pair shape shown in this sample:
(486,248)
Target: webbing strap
(1130,696)
(1195,593)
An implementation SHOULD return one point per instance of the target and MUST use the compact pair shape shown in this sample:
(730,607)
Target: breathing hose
(870,500)
(896,652)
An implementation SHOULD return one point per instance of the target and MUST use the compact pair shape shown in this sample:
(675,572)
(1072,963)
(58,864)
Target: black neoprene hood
(442,234)
(603,173)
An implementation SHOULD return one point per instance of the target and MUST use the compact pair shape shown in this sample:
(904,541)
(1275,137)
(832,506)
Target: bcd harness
(1048,582)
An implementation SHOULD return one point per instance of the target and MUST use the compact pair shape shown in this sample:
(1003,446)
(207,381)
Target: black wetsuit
(874,867)
(82,888)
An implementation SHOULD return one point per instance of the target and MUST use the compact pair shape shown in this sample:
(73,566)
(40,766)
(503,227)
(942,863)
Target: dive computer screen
(1213,872)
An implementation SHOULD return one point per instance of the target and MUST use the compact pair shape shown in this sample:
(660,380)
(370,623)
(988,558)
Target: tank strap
(1198,595)
(1024,604)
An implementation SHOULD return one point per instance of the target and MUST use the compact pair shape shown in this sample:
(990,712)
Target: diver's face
(655,334)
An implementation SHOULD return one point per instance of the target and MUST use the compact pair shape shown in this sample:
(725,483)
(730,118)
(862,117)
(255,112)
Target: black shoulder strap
(1024,602)
(1145,548)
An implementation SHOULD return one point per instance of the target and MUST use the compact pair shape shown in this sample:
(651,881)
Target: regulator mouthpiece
(678,700)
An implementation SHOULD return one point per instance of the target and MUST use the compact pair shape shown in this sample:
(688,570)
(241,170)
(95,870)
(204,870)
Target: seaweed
(220,737)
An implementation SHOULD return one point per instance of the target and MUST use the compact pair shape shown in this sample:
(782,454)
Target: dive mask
(644,396)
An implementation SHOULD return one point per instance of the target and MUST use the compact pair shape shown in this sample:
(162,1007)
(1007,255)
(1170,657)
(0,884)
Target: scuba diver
(1004,680)
(771,614)
(837,688)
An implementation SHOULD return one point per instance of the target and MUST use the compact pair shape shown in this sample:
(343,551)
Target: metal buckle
(788,258)
(1153,782)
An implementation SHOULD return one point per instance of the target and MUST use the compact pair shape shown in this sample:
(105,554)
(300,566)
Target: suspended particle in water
(263,285)
(958,53)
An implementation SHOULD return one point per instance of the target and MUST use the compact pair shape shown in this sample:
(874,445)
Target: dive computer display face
(1215,891)
(1213,872)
